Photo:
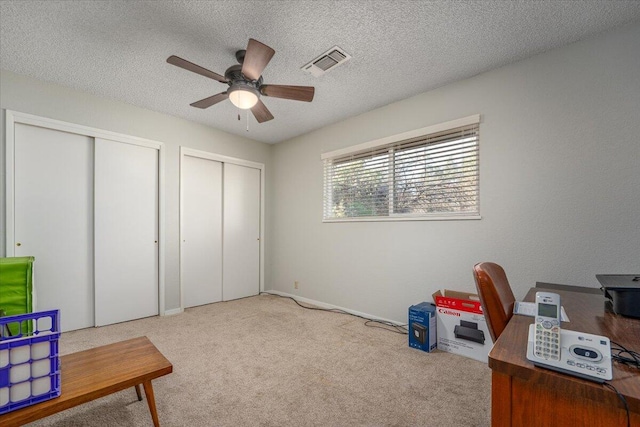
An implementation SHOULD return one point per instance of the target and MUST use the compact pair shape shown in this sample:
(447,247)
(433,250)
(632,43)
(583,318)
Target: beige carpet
(264,361)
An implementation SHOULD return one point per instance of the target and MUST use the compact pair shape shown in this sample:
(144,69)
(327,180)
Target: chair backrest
(496,296)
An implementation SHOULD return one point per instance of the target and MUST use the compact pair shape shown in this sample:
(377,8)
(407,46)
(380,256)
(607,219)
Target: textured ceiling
(118,49)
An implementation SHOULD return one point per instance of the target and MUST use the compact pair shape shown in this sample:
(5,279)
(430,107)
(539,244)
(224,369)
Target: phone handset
(547,326)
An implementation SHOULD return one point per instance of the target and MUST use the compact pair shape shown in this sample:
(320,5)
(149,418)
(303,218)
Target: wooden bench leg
(138,392)
(151,401)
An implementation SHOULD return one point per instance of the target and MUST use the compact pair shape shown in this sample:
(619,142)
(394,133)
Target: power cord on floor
(372,323)
(624,402)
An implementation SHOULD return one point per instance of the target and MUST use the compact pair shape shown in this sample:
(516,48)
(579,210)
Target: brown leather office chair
(496,296)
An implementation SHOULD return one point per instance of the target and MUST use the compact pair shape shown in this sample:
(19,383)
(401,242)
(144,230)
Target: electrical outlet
(295,285)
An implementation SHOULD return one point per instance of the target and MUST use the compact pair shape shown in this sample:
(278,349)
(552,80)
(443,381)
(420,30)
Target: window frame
(391,141)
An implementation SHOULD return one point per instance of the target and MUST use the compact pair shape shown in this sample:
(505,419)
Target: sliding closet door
(53,211)
(126,232)
(201,231)
(241,231)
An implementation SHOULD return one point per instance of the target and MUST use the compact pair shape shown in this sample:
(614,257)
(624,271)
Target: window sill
(406,218)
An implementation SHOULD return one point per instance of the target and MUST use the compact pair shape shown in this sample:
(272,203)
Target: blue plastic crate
(29,362)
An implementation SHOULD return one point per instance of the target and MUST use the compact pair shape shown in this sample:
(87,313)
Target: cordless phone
(547,326)
(578,353)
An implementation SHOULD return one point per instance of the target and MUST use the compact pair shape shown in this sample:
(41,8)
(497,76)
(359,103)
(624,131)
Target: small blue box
(422,326)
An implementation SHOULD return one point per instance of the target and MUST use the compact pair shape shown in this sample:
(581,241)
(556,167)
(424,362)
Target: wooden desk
(98,372)
(524,395)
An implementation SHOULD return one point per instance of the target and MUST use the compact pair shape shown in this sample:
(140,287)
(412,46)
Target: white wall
(559,180)
(32,96)
(560,186)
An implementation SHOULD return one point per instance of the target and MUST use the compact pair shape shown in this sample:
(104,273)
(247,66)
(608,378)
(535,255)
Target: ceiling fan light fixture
(243,96)
(245,82)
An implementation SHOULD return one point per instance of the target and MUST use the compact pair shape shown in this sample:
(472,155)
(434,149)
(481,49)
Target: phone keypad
(547,345)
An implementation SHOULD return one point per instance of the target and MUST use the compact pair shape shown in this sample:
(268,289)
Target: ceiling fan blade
(256,58)
(297,93)
(261,113)
(212,100)
(190,66)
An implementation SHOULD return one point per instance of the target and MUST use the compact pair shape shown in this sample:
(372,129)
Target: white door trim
(184,151)
(13,117)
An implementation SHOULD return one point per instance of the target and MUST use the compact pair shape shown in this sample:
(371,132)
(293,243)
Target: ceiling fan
(245,82)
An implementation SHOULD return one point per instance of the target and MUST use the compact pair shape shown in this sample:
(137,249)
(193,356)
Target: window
(430,173)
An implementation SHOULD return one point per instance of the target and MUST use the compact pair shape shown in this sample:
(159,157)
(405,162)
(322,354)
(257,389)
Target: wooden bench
(91,374)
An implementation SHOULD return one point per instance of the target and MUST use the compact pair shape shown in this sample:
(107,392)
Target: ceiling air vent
(326,62)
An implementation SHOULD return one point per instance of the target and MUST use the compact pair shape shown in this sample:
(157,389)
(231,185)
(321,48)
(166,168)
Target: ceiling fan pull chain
(238,114)
(247,120)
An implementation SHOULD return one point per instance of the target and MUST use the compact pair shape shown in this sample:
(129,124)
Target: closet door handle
(18,244)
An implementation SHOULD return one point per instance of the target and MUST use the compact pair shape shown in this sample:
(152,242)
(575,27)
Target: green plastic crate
(16,286)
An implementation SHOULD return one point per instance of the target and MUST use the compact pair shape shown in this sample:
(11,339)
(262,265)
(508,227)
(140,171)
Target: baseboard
(325,305)
(173,311)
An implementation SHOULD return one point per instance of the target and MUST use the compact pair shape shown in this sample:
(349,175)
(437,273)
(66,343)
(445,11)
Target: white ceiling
(118,49)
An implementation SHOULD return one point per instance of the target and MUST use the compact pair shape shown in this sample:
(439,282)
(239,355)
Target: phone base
(582,355)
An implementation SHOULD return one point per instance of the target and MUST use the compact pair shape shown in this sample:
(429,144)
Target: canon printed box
(462,328)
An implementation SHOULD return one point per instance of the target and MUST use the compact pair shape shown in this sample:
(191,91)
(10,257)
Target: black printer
(624,292)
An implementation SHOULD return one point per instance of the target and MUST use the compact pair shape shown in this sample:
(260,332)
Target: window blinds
(435,174)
